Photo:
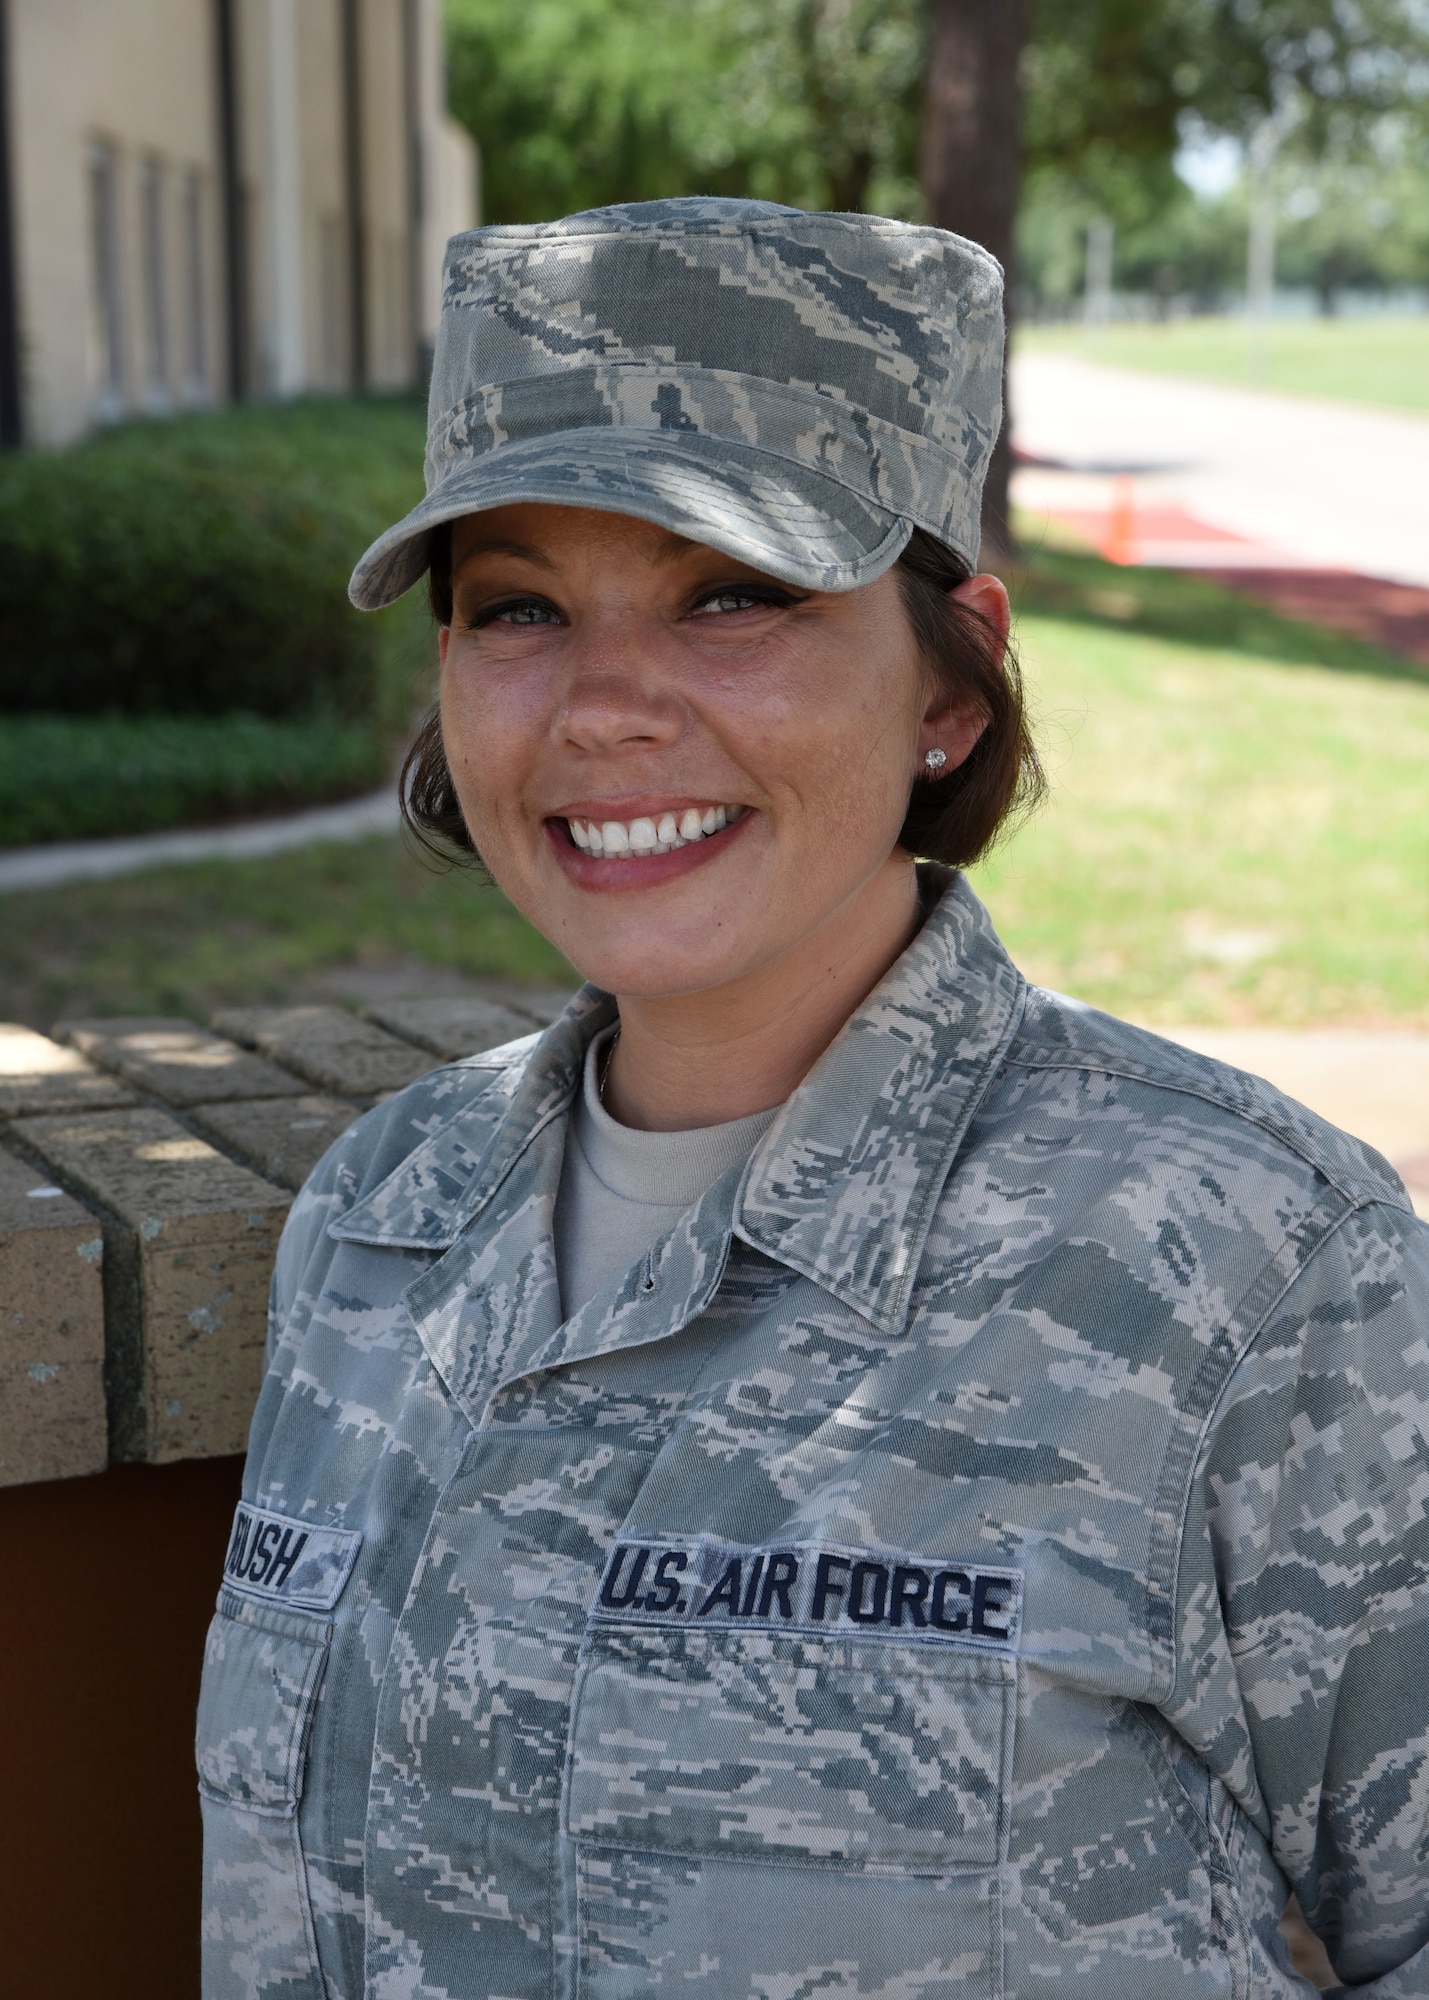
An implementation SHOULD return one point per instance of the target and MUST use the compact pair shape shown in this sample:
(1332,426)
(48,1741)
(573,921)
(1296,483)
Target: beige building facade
(208,200)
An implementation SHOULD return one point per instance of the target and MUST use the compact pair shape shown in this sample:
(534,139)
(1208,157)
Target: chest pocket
(753,1809)
(262,1673)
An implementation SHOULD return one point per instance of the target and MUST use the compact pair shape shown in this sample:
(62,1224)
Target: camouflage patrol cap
(799,391)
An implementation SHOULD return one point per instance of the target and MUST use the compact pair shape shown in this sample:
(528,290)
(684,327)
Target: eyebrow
(504,546)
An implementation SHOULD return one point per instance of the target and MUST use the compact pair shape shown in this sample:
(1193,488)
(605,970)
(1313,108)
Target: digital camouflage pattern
(796,390)
(981,1551)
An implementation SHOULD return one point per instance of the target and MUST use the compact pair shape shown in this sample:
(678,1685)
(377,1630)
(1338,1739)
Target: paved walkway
(97,860)
(1293,480)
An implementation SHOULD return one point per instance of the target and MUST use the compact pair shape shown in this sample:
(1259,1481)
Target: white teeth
(650,834)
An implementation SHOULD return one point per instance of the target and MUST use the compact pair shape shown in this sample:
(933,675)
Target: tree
(972,164)
(581,102)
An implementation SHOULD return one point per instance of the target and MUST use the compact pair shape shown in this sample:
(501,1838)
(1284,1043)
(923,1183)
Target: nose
(618,700)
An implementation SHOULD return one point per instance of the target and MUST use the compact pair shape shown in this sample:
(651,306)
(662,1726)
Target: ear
(987,596)
(950,725)
(444,636)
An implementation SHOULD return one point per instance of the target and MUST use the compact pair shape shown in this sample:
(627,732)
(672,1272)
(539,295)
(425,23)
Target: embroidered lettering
(861,1595)
(288,1562)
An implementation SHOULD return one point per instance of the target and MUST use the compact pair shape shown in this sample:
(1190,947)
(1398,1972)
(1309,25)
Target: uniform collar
(842,1187)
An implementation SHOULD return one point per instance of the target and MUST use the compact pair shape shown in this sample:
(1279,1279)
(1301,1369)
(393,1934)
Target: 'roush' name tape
(802,1587)
(292,1562)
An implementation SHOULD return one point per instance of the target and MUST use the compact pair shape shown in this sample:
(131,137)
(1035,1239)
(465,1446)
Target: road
(1319,483)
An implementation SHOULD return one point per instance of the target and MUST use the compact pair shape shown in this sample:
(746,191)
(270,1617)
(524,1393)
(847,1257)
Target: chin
(657,969)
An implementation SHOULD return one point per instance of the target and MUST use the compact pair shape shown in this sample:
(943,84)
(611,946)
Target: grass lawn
(1384,361)
(325,922)
(1238,831)
(1229,838)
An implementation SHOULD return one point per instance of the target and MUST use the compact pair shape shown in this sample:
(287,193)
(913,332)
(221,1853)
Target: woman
(830,1472)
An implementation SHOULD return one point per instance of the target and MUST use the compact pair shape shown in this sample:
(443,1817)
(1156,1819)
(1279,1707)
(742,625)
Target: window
(156,299)
(106,278)
(195,294)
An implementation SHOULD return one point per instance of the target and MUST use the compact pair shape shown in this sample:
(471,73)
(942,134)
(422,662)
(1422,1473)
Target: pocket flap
(261,1673)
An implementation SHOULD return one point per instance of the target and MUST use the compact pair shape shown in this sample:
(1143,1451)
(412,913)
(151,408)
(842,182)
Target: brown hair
(953,819)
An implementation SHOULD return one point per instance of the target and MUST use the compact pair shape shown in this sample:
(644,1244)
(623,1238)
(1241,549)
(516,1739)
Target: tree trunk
(971,167)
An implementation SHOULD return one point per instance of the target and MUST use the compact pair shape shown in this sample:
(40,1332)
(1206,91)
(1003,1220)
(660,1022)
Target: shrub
(201,565)
(65,777)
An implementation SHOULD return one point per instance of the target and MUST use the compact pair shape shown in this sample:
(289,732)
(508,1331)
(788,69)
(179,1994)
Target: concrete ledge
(330,1047)
(52,1415)
(149,1168)
(189,1239)
(37,1075)
(176,1061)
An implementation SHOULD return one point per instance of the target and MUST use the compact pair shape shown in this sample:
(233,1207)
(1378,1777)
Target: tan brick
(38,1075)
(330,1047)
(452,1028)
(52,1420)
(189,1240)
(178,1061)
(283,1138)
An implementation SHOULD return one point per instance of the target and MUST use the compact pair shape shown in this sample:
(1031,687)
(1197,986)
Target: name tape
(289,1562)
(707,1583)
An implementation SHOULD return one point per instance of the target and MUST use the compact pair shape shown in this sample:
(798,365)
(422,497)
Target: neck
(691,1059)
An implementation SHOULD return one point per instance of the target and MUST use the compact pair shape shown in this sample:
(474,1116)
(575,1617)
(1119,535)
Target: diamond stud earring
(936,759)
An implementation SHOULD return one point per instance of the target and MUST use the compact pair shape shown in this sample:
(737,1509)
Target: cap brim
(803,526)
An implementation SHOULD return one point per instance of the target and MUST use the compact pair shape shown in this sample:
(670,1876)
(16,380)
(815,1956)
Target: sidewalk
(1297,482)
(50,867)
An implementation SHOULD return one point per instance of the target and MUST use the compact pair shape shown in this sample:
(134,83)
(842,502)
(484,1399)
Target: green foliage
(68,777)
(577,103)
(201,565)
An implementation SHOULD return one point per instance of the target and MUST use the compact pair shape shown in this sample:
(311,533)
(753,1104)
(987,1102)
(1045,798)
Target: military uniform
(981,1551)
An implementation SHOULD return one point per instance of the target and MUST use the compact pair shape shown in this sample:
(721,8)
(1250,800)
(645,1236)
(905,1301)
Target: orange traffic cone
(1120,544)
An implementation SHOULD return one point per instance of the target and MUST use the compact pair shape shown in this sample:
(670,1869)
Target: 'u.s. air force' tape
(288,1562)
(706,1583)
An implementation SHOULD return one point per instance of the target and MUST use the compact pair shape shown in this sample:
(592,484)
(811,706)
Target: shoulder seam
(1360,1193)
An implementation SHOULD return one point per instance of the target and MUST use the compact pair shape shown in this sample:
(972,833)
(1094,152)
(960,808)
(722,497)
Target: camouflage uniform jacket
(982,1550)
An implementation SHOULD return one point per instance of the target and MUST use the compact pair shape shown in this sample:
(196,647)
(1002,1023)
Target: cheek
(493,725)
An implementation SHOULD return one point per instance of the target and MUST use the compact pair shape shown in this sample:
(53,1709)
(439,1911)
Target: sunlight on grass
(1227,839)
(1380,360)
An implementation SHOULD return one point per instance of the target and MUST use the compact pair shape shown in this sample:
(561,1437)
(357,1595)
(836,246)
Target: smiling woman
(830,1470)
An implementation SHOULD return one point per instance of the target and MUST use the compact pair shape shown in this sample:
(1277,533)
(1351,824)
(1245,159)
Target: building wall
(95,88)
(120,221)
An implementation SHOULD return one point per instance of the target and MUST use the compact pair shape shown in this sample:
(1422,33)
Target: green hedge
(66,777)
(200,565)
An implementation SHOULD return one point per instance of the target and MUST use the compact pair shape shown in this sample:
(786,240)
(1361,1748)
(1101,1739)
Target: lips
(643,850)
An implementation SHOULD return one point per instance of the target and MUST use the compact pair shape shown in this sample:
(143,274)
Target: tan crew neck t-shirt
(622,1190)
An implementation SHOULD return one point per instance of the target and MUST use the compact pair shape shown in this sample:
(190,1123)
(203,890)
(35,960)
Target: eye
(734,597)
(516,611)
